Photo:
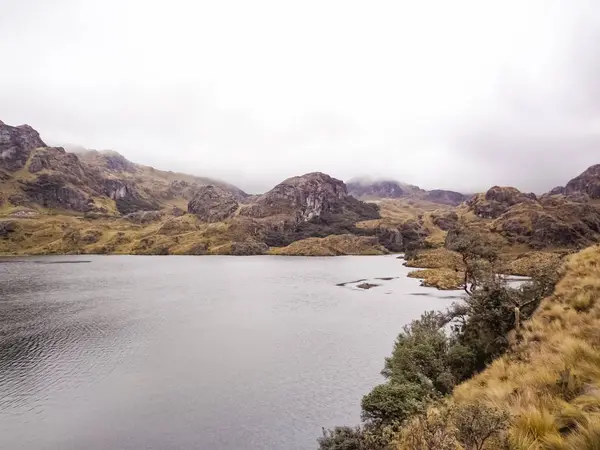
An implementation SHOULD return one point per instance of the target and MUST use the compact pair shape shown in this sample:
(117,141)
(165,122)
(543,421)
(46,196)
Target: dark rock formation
(413,235)
(558,190)
(366,285)
(556,221)
(587,183)
(445,220)
(312,205)
(16,143)
(51,191)
(390,237)
(305,197)
(127,198)
(309,197)
(498,200)
(177,212)
(213,204)
(115,162)
(7,227)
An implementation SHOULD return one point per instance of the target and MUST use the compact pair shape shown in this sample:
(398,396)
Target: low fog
(459,95)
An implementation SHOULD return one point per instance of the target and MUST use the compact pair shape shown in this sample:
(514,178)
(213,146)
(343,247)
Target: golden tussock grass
(444,279)
(549,381)
(437,259)
(334,245)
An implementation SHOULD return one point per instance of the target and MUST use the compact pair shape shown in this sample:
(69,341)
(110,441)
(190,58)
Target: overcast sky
(444,94)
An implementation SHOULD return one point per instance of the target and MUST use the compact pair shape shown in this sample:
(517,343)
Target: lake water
(209,352)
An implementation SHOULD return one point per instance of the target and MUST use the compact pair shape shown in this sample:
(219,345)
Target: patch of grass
(526,264)
(334,245)
(439,258)
(442,278)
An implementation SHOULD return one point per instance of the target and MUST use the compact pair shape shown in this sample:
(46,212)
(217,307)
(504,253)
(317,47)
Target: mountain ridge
(366,188)
(54,201)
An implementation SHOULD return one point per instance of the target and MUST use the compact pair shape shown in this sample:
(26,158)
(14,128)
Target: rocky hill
(551,220)
(588,183)
(366,189)
(54,201)
(38,177)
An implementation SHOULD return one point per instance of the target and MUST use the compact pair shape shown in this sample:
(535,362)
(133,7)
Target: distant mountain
(34,175)
(368,189)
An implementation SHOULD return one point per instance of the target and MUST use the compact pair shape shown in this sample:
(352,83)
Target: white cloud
(257,91)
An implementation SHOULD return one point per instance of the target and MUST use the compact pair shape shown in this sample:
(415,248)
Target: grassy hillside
(549,382)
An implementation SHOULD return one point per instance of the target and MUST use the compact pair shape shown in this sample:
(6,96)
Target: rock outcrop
(16,144)
(555,221)
(213,204)
(558,190)
(128,199)
(498,200)
(309,197)
(305,197)
(587,183)
(53,191)
(7,227)
(444,220)
(312,205)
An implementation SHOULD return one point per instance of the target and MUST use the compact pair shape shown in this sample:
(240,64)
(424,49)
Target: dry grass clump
(334,245)
(444,279)
(437,259)
(527,264)
(549,381)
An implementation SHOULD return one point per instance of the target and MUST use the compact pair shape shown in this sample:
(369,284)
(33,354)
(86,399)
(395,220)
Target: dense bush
(392,403)
(419,356)
(343,438)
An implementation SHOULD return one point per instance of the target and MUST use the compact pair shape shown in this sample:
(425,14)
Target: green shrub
(342,438)
(390,403)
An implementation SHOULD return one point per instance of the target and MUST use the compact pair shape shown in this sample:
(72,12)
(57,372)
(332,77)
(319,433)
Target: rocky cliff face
(311,205)
(16,143)
(587,183)
(307,197)
(213,204)
(87,181)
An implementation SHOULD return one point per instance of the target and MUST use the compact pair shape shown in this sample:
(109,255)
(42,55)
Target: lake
(194,352)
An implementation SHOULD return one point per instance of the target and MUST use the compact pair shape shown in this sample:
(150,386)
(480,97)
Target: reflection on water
(193,352)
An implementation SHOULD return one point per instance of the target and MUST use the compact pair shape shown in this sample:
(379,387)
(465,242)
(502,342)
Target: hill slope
(550,381)
(36,176)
